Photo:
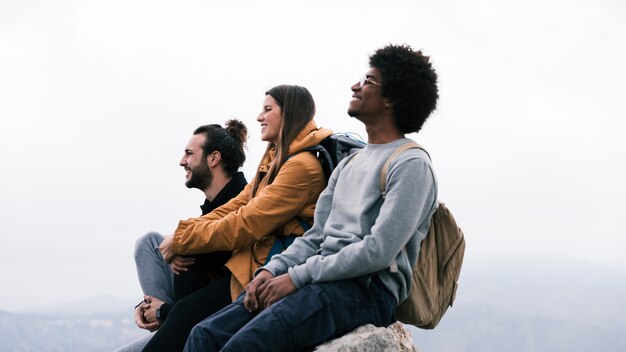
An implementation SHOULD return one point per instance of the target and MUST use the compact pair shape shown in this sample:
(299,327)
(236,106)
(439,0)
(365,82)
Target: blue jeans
(310,316)
(155,276)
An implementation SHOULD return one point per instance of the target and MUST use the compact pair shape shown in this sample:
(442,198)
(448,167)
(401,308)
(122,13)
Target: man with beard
(212,158)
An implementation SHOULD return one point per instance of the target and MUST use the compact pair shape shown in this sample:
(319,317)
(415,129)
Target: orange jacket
(248,226)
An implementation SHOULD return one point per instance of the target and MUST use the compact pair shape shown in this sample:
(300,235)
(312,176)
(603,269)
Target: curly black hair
(229,141)
(410,82)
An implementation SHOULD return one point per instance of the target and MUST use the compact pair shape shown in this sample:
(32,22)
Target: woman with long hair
(280,197)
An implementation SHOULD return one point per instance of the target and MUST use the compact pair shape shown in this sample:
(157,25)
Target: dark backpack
(329,152)
(436,273)
(335,148)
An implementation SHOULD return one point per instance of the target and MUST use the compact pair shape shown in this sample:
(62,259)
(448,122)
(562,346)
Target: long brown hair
(298,108)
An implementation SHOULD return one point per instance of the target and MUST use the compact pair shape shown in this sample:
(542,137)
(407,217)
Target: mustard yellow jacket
(248,226)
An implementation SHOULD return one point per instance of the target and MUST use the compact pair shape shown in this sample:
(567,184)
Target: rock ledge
(368,338)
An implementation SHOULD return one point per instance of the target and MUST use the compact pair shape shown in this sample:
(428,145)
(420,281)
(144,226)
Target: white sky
(98,98)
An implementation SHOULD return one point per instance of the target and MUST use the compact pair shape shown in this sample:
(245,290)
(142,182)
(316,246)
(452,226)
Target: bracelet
(138,304)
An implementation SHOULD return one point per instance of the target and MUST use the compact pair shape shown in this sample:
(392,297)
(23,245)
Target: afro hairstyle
(409,81)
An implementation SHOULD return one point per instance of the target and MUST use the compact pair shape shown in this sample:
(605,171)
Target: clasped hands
(265,289)
(145,313)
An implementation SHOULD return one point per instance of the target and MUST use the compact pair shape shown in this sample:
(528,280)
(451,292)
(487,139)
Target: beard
(201,177)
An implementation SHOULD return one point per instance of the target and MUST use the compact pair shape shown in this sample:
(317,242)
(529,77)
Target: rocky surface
(368,338)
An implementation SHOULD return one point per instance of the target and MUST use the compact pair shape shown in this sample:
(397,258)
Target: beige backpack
(438,266)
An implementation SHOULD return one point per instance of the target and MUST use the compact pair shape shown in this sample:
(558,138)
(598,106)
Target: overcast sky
(98,99)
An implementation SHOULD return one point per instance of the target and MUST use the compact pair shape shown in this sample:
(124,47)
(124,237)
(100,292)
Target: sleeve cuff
(178,237)
(165,310)
(257,271)
(300,276)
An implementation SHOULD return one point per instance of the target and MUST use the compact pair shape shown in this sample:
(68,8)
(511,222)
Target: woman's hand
(180,263)
(167,248)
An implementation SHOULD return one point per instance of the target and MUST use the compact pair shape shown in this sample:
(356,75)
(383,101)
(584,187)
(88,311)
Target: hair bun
(237,130)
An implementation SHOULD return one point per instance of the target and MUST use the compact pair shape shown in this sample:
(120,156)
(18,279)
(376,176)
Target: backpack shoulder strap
(385,169)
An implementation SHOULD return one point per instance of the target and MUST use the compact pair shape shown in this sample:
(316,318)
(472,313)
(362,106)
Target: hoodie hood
(310,136)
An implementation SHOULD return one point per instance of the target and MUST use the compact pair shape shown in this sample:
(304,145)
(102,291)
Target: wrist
(164,311)
(264,272)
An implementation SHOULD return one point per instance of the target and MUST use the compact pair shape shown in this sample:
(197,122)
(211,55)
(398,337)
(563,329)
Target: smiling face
(198,174)
(367,100)
(271,118)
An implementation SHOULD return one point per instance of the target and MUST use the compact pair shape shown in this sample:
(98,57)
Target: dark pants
(310,316)
(189,311)
(207,267)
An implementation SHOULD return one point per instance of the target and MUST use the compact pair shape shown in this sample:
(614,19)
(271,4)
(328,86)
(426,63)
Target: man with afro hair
(354,266)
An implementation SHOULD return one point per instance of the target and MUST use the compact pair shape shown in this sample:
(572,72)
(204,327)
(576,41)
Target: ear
(388,103)
(214,158)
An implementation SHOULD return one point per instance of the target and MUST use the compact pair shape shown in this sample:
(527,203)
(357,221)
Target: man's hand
(149,312)
(250,302)
(141,321)
(273,290)
(180,264)
(167,248)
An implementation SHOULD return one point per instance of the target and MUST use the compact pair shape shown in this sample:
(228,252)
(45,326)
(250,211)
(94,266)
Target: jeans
(310,316)
(155,276)
(135,346)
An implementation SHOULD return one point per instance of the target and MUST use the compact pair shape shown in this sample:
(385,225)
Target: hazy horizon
(512,304)
(472,268)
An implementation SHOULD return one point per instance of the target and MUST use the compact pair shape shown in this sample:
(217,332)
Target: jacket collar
(309,136)
(232,188)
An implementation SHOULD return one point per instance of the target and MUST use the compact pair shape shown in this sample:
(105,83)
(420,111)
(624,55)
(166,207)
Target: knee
(149,241)
(196,332)
(199,340)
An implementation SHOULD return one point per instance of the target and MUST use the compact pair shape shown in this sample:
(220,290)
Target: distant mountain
(513,305)
(104,304)
(63,333)
(537,304)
